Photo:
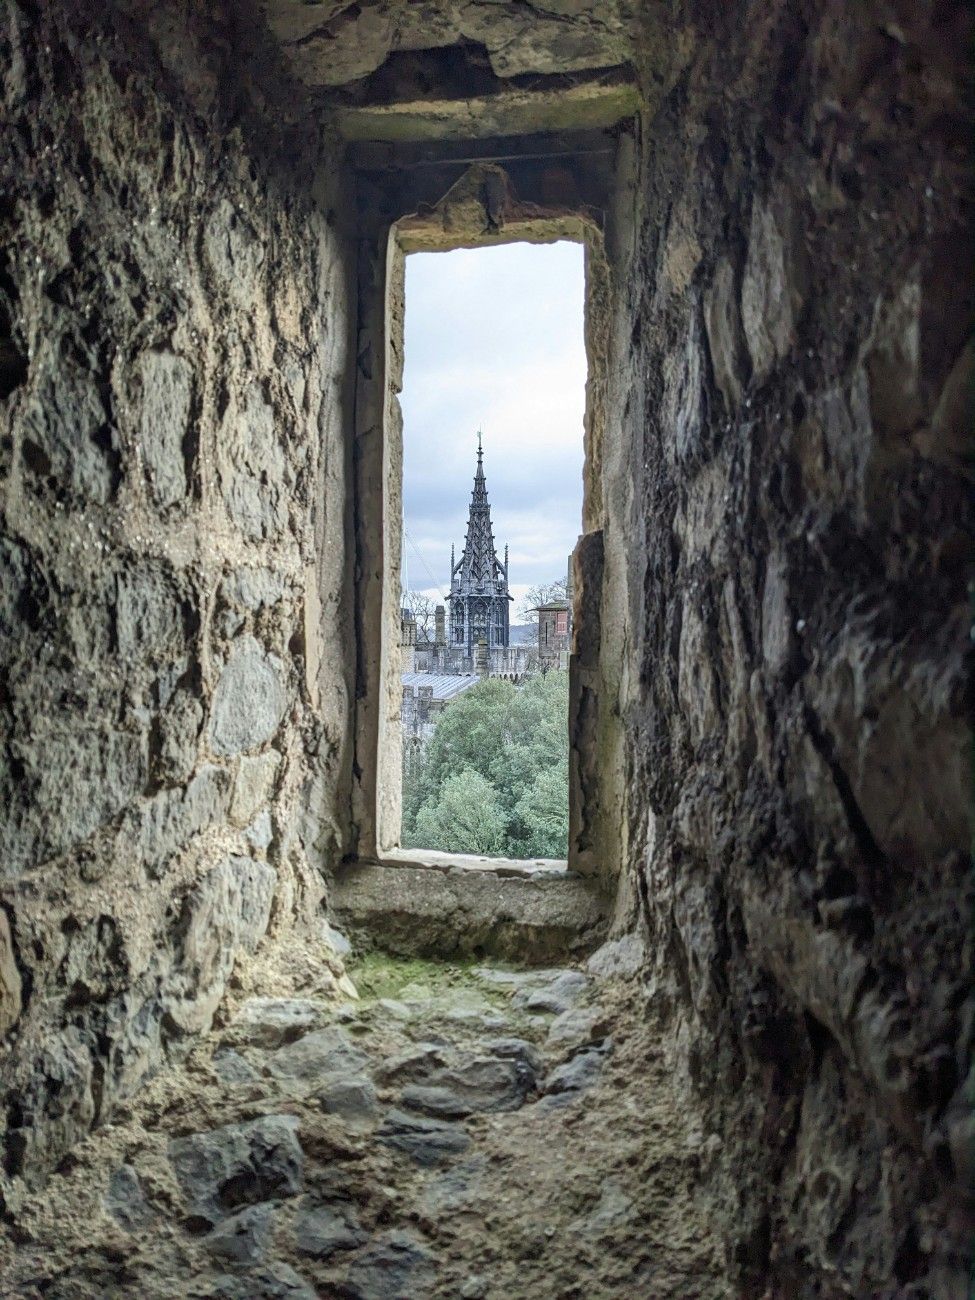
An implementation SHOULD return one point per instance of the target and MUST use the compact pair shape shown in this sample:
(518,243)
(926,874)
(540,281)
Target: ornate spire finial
(480,449)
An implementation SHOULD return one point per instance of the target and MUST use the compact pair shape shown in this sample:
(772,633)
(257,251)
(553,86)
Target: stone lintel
(587,105)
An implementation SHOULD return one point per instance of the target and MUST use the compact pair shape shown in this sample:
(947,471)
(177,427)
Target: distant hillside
(523,633)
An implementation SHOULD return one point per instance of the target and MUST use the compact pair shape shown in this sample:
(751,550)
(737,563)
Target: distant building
(513,662)
(554,634)
(407,640)
(472,632)
(425,696)
(479,597)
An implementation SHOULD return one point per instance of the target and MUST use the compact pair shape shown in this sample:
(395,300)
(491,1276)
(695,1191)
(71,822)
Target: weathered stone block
(72,782)
(766,305)
(323,1052)
(893,362)
(89,616)
(94,964)
(227,912)
(723,323)
(23,597)
(272,1022)
(576,1074)
(57,1106)
(394,1264)
(252,589)
(233,1068)
(249,701)
(173,817)
(149,612)
(620,958)
(244,1237)
(254,785)
(253,469)
(776,616)
(126,1201)
(479,1085)
(577,1027)
(695,673)
(421,910)
(237,1165)
(320,1230)
(256,592)
(914,812)
(67,444)
(681,410)
(274,1281)
(166,396)
(954,415)
(427,1141)
(352,1097)
(556,994)
(233,251)
(137,1042)
(177,738)
(260,832)
(10,983)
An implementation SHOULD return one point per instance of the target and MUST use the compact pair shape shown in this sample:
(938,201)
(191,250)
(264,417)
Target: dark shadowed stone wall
(174,308)
(796,516)
(779,528)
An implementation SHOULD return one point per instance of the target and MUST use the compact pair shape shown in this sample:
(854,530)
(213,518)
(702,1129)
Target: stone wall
(790,493)
(777,525)
(174,308)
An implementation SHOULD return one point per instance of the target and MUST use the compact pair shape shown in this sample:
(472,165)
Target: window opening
(493,405)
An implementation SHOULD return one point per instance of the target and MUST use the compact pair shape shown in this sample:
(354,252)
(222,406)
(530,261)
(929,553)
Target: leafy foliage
(494,777)
(465,818)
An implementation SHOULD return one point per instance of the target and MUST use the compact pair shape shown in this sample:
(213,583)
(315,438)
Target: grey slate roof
(445,685)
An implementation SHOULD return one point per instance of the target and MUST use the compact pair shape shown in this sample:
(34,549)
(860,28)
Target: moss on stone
(377,975)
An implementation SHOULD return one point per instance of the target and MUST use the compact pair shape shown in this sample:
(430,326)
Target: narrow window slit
(493,407)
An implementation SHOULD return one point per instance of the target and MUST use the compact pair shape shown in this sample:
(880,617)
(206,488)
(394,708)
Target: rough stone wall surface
(334,43)
(783,537)
(174,292)
(794,422)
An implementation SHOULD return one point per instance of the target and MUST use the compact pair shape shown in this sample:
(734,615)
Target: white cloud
(494,340)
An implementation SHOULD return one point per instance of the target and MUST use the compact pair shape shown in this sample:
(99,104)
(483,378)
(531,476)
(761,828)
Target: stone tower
(479,596)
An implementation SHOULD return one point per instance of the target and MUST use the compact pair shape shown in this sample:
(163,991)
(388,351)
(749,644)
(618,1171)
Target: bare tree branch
(423,610)
(541,594)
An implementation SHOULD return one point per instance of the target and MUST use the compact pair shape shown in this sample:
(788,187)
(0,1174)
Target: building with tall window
(554,634)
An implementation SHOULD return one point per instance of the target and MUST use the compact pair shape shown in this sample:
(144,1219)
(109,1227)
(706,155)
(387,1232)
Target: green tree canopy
(506,748)
(465,818)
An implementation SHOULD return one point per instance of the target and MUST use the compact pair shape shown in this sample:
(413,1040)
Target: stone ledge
(420,904)
(434,860)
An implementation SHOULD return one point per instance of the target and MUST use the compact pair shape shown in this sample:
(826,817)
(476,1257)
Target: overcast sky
(494,340)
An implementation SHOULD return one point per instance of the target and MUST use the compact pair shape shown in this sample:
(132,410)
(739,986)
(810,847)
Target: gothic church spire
(479,595)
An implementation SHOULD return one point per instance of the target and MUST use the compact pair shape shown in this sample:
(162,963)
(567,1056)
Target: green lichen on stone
(377,975)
